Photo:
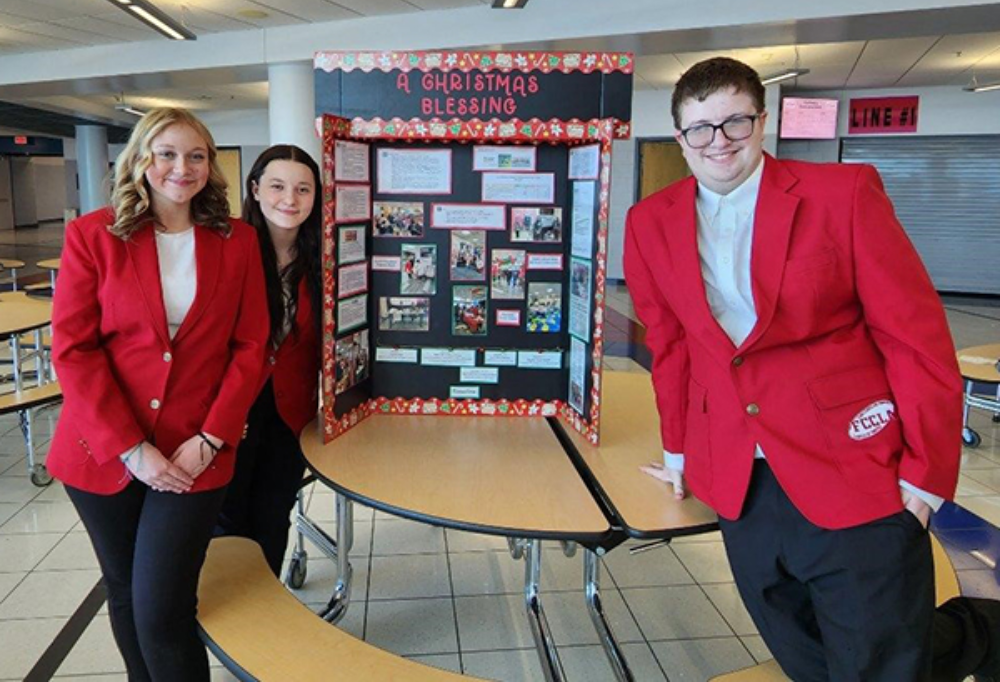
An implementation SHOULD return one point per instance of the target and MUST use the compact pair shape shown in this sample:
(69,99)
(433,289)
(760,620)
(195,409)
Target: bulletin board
(465,258)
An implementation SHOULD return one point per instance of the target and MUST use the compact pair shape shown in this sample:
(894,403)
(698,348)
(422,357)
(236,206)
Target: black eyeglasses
(735,129)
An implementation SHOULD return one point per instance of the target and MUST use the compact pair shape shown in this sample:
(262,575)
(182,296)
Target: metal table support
(544,643)
(595,606)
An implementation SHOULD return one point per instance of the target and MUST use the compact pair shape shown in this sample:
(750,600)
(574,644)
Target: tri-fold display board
(465,231)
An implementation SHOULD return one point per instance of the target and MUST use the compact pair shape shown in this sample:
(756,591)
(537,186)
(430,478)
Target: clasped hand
(177,474)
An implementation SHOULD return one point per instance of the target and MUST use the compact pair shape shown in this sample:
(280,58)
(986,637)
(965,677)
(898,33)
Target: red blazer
(847,318)
(294,368)
(124,379)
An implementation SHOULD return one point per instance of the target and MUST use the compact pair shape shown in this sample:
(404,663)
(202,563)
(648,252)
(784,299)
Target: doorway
(660,163)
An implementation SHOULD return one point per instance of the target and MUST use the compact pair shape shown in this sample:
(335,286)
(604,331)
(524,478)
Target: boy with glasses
(806,382)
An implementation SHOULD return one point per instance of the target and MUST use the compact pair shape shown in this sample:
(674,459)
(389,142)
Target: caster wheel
(40,476)
(296,577)
(970,438)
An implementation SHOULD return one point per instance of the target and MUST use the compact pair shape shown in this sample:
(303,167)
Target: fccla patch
(872,419)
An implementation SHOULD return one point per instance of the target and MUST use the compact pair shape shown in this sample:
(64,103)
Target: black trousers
(151,547)
(269,469)
(851,604)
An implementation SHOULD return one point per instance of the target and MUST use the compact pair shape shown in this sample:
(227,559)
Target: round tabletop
(20,313)
(496,475)
(630,438)
(49,264)
(11,263)
(979,363)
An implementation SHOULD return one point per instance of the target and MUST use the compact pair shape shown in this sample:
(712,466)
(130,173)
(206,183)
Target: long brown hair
(307,261)
(130,192)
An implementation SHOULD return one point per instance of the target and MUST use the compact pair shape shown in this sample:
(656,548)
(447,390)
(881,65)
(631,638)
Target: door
(660,164)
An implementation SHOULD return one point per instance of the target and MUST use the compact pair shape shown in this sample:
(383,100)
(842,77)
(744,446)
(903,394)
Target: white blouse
(178,275)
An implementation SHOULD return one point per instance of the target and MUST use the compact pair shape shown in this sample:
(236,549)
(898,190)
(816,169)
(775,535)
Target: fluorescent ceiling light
(976,87)
(152,16)
(129,110)
(785,75)
(509,4)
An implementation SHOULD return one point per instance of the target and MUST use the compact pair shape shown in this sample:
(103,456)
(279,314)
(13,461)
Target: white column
(772,103)
(291,106)
(92,166)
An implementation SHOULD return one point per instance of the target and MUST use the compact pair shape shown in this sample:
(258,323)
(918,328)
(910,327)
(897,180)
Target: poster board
(487,242)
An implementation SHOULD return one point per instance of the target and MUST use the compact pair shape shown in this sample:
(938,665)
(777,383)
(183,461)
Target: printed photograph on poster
(467,262)
(350,244)
(577,373)
(468,217)
(404,314)
(499,158)
(414,171)
(352,360)
(583,219)
(507,272)
(386,263)
(352,279)
(398,219)
(519,188)
(542,224)
(418,274)
(545,261)
(354,203)
(468,310)
(585,162)
(544,307)
(509,318)
(352,313)
(350,161)
(579,298)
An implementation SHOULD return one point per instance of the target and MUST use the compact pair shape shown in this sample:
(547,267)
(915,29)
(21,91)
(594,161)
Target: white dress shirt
(178,275)
(725,243)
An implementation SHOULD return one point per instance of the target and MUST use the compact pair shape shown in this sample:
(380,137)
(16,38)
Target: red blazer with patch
(294,368)
(124,379)
(847,318)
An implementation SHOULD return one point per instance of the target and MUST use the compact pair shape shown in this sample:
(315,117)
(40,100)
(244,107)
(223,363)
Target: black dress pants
(151,547)
(851,604)
(269,469)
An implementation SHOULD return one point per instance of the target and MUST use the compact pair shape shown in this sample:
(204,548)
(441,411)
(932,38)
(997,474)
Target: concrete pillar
(772,103)
(92,166)
(291,106)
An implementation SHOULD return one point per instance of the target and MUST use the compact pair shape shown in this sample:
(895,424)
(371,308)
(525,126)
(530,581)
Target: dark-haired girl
(281,203)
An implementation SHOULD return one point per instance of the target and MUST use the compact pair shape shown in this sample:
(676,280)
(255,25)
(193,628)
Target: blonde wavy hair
(130,197)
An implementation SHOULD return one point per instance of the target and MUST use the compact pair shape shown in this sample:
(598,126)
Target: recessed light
(253,14)
(509,4)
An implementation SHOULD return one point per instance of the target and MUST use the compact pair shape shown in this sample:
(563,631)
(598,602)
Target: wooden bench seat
(945,587)
(260,631)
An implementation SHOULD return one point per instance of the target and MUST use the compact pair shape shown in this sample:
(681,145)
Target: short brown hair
(130,192)
(711,75)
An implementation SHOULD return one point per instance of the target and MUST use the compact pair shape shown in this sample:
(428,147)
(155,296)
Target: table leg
(546,646)
(15,356)
(337,606)
(592,588)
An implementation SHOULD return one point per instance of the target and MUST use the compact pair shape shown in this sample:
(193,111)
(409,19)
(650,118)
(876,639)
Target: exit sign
(20,139)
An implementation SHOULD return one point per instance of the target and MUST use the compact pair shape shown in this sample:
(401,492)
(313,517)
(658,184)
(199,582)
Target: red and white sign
(878,115)
(871,420)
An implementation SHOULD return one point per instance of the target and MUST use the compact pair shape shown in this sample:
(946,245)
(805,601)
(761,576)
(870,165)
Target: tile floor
(453,599)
